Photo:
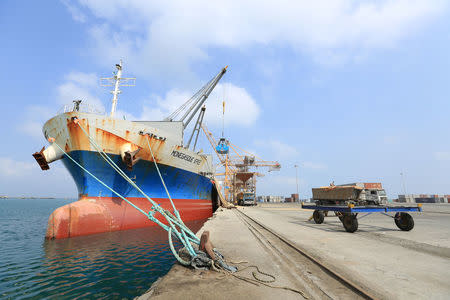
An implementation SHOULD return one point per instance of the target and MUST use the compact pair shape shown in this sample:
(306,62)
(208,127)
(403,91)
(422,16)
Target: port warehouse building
(423,198)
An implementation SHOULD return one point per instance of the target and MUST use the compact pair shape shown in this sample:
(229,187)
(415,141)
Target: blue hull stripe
(181,184)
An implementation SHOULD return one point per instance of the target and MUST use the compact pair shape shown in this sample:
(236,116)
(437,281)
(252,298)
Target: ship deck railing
(84,108)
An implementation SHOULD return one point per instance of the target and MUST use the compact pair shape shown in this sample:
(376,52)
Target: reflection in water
(109,265)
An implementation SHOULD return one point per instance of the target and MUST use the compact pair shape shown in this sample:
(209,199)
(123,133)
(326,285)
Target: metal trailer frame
(348,214)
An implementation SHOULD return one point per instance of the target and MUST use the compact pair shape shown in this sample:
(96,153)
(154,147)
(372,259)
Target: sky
(350,91)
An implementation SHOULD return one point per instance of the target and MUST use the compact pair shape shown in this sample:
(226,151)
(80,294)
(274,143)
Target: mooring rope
(257,281)
(162,180)
(177,214)
(155,208)
(174,219)
(149,215)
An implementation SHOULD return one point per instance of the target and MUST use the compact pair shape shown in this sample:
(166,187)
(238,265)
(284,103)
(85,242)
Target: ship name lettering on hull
(186,157)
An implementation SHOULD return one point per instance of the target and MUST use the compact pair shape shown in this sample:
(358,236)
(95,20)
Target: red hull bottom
(96,215)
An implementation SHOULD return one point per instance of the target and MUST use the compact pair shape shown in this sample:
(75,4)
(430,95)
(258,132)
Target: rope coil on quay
(175,225)
(198,259)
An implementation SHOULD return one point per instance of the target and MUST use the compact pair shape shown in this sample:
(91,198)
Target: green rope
(104,184)
(149,215)
(162,180)
(119,170)
(166,214)
(177,214)
(172,248)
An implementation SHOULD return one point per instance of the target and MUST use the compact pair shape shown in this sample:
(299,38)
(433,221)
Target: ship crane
(186,112)
(239,175)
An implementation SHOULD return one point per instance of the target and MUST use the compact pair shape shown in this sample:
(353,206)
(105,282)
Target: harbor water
(114,265)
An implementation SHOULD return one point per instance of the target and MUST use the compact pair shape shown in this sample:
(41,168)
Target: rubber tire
(404,221)
(318,216)
(350,223)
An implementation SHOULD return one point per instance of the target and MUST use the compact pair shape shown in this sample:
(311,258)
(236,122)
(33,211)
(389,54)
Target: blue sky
(348,90)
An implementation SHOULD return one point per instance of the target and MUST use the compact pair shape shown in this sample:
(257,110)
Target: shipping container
(373,185)
(425,200)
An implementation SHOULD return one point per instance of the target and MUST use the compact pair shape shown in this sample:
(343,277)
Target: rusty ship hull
(97,210)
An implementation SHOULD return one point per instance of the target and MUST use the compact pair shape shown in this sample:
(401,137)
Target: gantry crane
(238,176)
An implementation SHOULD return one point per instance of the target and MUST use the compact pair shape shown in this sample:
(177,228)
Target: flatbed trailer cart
(348,214)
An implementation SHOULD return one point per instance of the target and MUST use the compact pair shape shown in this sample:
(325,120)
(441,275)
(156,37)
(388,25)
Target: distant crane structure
(239,176)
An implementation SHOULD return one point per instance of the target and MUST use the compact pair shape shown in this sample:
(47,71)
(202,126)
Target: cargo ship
(188,175)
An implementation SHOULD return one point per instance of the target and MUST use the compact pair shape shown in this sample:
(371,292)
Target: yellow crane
(238,165)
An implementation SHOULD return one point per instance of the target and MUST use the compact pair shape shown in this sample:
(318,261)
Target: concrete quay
(378,261)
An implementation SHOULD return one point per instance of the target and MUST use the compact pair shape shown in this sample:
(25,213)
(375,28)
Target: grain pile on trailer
(336,194)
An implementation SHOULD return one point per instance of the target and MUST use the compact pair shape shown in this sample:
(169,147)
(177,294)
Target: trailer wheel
(350,223)
(318,216)
(404,221)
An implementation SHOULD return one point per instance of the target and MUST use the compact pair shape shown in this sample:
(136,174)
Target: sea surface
(116,265)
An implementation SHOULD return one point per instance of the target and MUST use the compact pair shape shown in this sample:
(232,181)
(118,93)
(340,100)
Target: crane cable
(223,112)
(195,97)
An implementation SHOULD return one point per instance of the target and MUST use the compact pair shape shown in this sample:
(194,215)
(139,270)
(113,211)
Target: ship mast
(117,81)
(116,88)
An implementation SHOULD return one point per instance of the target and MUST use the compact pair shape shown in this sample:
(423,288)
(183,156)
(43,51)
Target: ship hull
(99,208)
(104,214)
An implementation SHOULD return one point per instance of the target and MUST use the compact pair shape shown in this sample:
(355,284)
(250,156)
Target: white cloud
(240,107)
(15,173)
(77,85)
(12,168)
(33,119)
(158,108)
(442,155)
(84,86)
(278,149)
(90,80)
(166,37)
(76,13)
(32,128)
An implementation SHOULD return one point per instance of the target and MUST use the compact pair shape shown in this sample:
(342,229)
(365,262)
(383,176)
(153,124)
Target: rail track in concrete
(306,272)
